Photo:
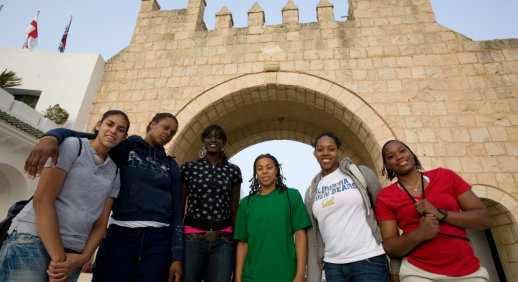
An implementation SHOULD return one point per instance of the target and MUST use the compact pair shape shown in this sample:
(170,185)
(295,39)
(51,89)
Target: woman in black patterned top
(211,189)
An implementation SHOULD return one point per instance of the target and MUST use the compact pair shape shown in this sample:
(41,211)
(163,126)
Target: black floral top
(209,193)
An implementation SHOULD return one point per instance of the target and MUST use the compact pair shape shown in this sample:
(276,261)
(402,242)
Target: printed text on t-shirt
(326,191)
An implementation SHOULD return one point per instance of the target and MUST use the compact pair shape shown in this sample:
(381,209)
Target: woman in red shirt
(433,208)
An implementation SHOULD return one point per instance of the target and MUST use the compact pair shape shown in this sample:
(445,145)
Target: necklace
(415,187)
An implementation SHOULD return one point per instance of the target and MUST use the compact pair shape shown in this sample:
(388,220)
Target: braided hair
(158,117)
(386,171)
(279,179)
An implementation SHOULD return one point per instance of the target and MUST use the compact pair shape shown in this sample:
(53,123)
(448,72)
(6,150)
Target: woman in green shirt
(268,220)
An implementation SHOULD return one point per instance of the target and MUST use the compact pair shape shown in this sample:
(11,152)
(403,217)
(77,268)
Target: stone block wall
(389,71)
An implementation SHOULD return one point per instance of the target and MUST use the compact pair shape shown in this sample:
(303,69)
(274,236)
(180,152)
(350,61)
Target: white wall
(15,146)
(68,79)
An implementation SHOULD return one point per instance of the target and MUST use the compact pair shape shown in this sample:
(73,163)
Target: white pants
(411,273)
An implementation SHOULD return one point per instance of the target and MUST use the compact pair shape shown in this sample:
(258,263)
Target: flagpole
(27,39)
(62,43)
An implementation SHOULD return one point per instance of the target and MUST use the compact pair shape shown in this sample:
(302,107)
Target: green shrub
(56,114)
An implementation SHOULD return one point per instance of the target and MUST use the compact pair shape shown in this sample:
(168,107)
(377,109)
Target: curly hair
(386,171)
(279,179)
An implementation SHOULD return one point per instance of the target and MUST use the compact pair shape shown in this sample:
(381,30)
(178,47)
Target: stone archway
(294,106)
(283,105)
(503,208)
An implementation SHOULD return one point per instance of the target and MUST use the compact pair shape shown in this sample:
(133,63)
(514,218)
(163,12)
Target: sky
(106,26)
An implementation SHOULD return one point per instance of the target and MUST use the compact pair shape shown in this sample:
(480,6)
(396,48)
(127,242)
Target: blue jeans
(210,261)
(133,254)
(373,269)
(24,258)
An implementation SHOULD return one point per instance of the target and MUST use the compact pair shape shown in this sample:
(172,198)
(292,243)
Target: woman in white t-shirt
(344,235)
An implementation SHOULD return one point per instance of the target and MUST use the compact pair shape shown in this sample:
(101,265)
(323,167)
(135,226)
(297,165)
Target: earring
(202,153)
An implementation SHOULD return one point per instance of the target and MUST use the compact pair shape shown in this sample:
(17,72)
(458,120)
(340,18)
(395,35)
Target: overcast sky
(105,27)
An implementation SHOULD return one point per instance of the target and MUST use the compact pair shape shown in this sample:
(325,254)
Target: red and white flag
(32,34)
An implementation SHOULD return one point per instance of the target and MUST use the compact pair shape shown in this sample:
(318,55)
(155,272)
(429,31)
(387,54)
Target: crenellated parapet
(362,13)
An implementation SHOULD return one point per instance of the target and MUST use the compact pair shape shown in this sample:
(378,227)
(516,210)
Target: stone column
(224,19)
(195,11)
(147,7)
(325,11)
(255,19)
(290,13)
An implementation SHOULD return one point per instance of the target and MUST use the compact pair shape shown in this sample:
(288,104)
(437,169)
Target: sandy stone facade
(388,72)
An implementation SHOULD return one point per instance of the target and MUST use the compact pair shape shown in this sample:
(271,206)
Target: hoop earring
(202,153)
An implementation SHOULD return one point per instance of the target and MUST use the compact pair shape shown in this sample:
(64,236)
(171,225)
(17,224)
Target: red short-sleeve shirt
(441,255)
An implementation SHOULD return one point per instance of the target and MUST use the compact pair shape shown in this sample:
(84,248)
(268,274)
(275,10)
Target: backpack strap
(289,205)
(358,174)
(80,146)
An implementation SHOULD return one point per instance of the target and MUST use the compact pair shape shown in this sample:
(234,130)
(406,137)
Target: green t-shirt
(264,223)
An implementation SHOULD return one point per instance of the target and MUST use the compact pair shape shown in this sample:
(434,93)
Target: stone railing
(28,116)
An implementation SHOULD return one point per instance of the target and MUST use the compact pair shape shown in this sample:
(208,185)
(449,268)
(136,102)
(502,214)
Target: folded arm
(398,246)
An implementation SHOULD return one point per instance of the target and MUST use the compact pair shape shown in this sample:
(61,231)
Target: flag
(32,34)
(63,42)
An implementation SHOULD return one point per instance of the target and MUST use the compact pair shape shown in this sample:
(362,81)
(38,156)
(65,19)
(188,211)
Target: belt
(209,236)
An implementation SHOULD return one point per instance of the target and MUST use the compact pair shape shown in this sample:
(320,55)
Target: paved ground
(85,277)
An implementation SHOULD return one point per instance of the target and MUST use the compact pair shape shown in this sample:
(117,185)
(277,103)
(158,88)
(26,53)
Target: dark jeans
(369,270)
(133,254)
(210,261)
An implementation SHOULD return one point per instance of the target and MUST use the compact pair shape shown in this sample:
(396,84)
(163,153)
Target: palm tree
(9,79)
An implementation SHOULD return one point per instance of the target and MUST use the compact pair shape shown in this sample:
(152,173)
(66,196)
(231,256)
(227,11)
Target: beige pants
(411,273)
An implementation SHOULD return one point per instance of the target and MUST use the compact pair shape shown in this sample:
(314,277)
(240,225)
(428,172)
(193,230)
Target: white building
(70,80)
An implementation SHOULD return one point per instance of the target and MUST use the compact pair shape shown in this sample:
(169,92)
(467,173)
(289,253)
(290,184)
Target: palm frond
(9,79)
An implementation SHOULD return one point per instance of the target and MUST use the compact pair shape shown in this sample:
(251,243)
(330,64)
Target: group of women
(171,223)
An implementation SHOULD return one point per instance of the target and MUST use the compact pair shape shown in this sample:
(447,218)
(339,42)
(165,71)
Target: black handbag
(13,211)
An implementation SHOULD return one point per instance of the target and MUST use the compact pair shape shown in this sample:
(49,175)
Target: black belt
(209,236)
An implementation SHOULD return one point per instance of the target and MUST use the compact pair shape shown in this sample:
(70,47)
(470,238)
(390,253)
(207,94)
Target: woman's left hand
(424,206)
(60,271)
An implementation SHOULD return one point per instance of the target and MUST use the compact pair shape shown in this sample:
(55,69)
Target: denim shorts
(24,258)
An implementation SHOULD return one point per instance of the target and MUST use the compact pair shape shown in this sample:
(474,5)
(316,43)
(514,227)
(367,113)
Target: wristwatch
(443,212)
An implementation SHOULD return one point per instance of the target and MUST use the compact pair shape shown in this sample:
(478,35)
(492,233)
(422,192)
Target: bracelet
(48,137)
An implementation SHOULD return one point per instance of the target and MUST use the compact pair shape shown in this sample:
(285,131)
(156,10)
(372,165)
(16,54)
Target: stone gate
(388,72)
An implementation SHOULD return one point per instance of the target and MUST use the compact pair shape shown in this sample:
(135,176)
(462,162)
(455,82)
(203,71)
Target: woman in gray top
(59,230)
